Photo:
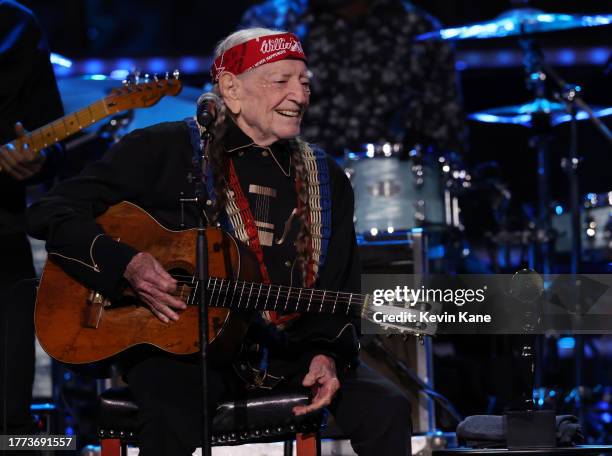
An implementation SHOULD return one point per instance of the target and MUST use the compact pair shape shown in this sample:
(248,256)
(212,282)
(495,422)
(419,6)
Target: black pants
(369,409)
(17,357)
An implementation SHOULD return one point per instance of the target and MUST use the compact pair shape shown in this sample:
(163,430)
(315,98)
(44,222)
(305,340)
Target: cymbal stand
(535,79)
(569,96)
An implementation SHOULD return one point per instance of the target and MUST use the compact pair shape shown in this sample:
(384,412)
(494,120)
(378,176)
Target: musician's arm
(32,99)
(65,216)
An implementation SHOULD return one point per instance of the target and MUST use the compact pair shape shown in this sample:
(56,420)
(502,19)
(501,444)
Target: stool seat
(255,419)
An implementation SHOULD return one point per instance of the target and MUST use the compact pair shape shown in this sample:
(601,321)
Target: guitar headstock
(143,93)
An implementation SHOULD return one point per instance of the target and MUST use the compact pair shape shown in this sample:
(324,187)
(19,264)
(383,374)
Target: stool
(258,419)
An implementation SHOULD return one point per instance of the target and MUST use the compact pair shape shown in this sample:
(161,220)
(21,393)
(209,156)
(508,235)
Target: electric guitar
(129,96)
(77,325)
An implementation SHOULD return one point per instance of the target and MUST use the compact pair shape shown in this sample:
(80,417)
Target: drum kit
(398,191)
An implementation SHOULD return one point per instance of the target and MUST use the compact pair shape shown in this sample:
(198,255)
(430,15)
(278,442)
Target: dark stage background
(112,29)
(473,373)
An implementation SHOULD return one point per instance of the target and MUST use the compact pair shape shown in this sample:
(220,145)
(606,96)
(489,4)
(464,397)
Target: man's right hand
(154,286)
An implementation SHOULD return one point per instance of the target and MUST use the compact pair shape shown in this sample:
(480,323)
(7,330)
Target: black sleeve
(65,217)
(29,91)
(335,335)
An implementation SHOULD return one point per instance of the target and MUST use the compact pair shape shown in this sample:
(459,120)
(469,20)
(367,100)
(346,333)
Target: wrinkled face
(272,100)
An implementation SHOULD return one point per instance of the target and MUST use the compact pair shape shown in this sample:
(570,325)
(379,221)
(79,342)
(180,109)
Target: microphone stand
(206,138)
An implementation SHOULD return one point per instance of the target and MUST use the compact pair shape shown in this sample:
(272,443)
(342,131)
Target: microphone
(207,106)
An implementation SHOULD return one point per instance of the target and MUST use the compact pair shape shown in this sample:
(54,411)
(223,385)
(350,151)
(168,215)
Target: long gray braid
(218,161)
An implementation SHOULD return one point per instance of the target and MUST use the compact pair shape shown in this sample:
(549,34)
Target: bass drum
(394,192)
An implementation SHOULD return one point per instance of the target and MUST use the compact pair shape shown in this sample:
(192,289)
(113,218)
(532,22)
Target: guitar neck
(64,127)
(236,294)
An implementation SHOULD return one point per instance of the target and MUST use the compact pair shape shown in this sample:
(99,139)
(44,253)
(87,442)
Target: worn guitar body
(75,325)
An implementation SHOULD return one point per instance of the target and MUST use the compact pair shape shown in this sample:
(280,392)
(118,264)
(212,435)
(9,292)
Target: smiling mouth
(289,113)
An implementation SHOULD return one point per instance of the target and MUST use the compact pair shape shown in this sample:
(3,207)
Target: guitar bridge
(96,306)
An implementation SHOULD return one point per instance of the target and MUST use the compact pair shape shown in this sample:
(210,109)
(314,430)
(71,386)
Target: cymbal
(523,114)
(79,92)
(515,22)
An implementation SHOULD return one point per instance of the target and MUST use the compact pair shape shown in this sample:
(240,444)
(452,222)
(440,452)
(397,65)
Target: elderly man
(265,186)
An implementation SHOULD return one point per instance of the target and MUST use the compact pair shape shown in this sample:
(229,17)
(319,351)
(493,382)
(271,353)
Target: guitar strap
(238,218)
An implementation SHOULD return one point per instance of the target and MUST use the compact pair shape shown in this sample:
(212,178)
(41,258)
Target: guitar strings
(278,293)
(315,303)
(225,284)
(193,280)
(316,300)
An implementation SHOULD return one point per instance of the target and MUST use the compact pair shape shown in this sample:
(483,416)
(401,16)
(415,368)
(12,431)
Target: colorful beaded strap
(239,220)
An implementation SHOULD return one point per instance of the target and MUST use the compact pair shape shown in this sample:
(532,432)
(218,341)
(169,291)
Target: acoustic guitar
(77,325)
(129,96)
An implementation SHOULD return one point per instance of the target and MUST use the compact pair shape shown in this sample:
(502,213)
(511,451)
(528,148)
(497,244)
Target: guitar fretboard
(63,127)
(244,295)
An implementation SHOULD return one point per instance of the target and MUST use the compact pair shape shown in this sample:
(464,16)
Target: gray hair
(242,36)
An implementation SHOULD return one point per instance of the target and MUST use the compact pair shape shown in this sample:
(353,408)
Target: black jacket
(151,168)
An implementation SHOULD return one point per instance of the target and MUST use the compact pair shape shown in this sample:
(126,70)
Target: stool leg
(288,448)
(307,444)
(110,447)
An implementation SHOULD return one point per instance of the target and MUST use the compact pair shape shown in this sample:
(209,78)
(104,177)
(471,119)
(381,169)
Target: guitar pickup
(96,306)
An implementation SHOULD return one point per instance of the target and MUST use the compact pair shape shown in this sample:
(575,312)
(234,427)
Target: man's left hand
(322,379)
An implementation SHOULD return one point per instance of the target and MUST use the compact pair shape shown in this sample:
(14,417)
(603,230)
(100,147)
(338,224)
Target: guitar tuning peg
(167,75)
(146,77)
(176,74)
(125,83)
(155,78)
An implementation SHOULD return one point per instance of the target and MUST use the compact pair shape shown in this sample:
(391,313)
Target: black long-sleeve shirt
(28,94)
(151,168)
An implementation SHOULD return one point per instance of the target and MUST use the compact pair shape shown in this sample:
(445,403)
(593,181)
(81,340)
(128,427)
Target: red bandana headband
(258,51)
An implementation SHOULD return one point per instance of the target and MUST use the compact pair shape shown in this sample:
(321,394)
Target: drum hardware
(595,227)
(569,95)
(572,99)
(457,181)
(398,189)
(540,115)
(526,114)
(518,22)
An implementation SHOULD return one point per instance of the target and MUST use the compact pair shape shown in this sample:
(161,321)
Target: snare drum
(393,193)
